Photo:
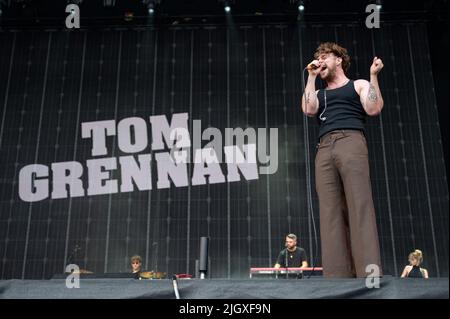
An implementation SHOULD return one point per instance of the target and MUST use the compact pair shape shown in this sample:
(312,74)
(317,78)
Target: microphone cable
(308,176)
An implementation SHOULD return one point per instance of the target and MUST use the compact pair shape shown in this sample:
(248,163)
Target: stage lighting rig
(109,3)
(151,5)
(3,4)
(77,2)
(301,6)
(227,5)
(299,3)
(379,4)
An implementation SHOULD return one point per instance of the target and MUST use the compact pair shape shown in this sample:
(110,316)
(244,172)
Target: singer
(291,256)
(349,237)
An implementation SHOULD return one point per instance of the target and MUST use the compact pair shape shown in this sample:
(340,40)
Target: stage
(242,141)
(312,288)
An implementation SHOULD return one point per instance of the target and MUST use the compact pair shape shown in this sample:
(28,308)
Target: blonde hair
(416,254)
(136,257)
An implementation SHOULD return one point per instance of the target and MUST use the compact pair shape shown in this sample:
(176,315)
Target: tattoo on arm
(372,94)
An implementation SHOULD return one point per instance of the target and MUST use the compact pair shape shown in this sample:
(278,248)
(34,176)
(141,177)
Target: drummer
(136,265)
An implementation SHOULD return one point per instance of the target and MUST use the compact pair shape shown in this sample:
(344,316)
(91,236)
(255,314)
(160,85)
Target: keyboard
(279,272)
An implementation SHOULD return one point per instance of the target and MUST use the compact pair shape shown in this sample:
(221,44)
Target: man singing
(292,256)
(349,236)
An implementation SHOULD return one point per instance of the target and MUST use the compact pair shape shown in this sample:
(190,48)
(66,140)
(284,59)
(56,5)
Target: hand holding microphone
(313,68)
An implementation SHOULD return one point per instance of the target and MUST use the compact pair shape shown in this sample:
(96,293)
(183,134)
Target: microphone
(73,254)
(286,261)
(155,256)
(312,66)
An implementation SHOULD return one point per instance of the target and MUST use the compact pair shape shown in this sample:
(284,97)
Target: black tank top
(415,272)
(344,109)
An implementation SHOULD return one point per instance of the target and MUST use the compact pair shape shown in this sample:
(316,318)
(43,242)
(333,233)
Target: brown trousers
(349,237)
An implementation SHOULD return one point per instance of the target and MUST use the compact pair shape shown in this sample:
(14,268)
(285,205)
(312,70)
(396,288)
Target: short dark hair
(292,236)
(337,50)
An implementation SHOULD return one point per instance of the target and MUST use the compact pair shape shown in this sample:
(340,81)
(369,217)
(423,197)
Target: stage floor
(312,288)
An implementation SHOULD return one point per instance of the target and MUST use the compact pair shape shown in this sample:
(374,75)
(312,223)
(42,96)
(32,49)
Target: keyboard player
(292,255)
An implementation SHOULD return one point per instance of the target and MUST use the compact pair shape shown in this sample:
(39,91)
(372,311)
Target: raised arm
(310,102)
(369,91)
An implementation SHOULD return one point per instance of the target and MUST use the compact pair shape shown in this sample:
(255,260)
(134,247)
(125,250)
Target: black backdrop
(51,81)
